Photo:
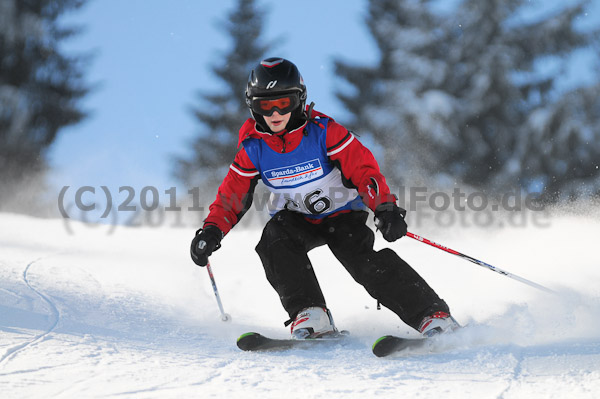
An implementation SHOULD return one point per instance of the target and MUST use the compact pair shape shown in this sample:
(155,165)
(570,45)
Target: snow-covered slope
(127,314)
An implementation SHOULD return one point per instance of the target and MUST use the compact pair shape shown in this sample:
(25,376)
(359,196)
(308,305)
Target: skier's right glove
(389,218)
(207,241)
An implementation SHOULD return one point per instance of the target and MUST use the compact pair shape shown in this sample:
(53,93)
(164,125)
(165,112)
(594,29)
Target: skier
(322,180)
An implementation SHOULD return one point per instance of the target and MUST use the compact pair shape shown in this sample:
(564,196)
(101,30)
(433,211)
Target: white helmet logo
(271,84)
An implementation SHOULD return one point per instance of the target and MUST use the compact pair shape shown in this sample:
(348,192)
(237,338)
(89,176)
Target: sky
(150,59)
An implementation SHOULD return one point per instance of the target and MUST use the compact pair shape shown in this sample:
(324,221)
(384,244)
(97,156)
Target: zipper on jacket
(282,137)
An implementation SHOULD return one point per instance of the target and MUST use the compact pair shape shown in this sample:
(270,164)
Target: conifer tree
(453,94)
(221,114)
(404,32)
(560,154)
(494,85)
(40,88)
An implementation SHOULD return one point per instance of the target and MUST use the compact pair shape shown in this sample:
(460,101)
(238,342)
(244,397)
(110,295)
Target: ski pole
(480,263)
(224,316)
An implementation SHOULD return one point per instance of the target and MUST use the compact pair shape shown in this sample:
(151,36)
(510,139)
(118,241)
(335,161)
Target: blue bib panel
(303,180)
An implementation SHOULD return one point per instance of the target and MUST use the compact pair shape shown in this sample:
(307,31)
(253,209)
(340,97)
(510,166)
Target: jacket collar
(250,130)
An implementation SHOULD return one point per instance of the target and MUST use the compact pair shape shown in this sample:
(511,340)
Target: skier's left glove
(207,241)
(389,218)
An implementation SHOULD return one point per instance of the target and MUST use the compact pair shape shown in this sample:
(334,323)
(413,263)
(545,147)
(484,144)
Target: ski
(389,344)
(253,341)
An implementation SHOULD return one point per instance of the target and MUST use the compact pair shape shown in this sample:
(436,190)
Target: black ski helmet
(276,77)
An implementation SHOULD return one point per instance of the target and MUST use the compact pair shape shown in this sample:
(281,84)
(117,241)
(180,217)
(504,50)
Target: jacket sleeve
(358,165)
(235,194)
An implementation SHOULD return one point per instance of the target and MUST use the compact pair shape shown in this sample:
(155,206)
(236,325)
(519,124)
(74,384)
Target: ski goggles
(283,104)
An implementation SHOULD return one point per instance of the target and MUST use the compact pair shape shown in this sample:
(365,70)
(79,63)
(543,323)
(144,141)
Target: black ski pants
(288,237)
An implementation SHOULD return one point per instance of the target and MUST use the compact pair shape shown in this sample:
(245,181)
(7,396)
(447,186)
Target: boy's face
(277,122)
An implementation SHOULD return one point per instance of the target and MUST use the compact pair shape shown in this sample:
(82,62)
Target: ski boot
(437,323)
(313,322)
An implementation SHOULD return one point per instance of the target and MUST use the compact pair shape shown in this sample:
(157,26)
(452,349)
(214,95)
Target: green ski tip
(246,335)
(379,340)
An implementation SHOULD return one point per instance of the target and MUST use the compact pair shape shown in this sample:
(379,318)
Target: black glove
(207,241)
(389,218)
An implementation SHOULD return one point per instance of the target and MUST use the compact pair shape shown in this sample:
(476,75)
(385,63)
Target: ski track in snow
(128,315)
(54,316)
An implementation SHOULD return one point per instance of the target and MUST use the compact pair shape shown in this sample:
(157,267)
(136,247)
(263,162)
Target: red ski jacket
(356,163)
